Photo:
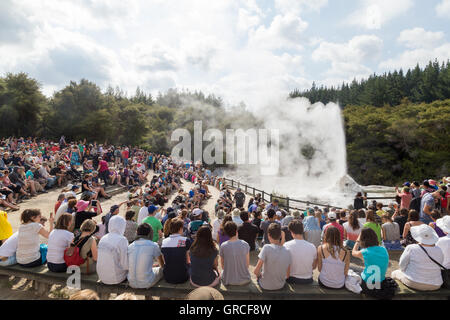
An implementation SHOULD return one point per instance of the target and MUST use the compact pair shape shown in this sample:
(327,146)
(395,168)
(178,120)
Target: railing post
(254,194)
(245,190)
(232,183)
(287,203)
(271,198)
(263,196)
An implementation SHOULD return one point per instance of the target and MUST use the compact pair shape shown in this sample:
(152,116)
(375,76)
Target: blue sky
(244,50)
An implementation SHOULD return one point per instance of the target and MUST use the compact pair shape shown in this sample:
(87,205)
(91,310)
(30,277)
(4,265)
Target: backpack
(72,254)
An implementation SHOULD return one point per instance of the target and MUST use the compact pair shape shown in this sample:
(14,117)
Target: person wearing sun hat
(444,242)
(417,269)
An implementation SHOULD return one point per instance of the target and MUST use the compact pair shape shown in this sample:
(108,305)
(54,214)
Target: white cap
(424,234)
(279,214)
(196,212)
(332,215)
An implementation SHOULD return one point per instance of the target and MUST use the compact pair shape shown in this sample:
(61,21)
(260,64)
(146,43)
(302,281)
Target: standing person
(30,253)
(358,202)
(103,170)
(303,255)
(333,260)
(234,258)
(112,264)
(417,268)
(239,198)
(352,229)
(204,260)
(428,204)
(248,231)
(274,261)
(390,231)
(141,254)
(405,196)
(59,239)
(175,249)
(125,156)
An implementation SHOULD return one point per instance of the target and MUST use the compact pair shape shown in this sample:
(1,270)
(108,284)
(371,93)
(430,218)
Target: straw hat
(424,234)
(444,224)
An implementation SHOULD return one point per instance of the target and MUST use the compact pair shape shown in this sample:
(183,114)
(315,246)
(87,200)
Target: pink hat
(432,182)
(82,205)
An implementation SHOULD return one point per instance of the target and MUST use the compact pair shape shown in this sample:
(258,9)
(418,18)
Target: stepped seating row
(44,279)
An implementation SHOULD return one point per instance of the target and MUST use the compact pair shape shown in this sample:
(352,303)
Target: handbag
(444,271)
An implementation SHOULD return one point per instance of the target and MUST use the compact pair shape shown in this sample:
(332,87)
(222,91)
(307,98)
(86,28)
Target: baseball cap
(279,214)
(407,184)
(114,208)
(152,209)
(332,215)
(196,212)
(74,187)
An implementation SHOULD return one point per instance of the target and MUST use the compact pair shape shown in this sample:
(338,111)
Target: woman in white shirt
(417,270)
(30,253)
(58,241)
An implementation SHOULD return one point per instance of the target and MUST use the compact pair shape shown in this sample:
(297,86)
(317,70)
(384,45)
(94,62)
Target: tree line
(385,145)
(390,89)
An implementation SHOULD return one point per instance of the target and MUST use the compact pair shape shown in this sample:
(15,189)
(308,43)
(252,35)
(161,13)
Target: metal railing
(284,202)
(287,202)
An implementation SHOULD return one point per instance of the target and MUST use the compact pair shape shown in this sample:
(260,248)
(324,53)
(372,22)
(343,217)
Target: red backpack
(72,255)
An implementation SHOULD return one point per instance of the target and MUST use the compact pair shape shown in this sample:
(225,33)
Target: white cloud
(296,6)
(373,14)
(285,31)
(443,8)
(421,56)
(349,59)
(419,38)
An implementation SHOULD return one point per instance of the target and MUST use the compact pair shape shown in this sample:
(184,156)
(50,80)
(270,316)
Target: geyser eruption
(312,154)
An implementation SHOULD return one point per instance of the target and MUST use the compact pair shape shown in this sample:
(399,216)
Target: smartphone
(94,203)
(3,197)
